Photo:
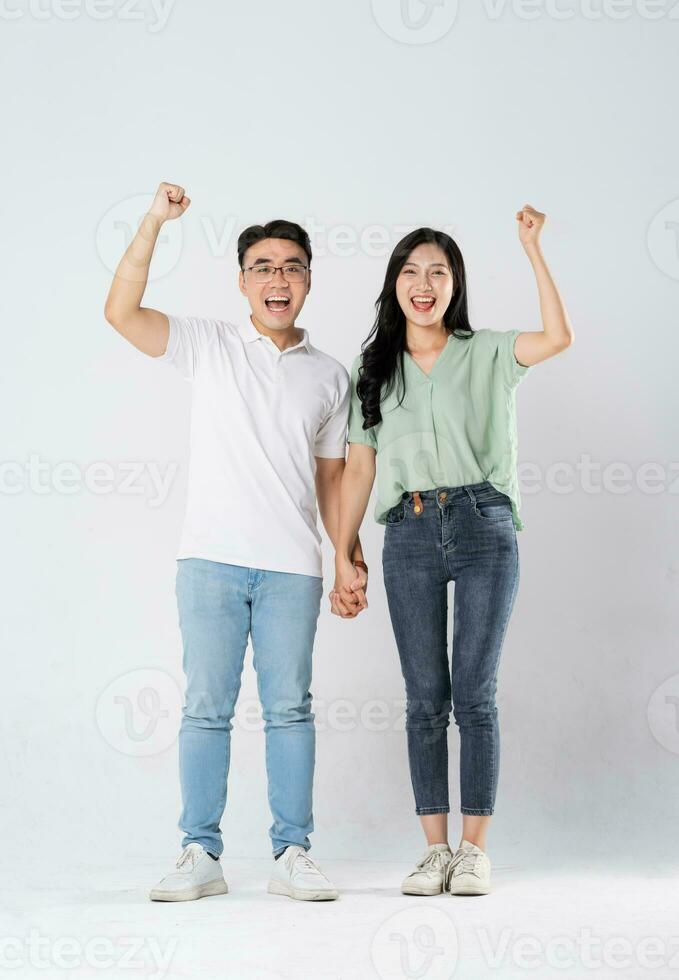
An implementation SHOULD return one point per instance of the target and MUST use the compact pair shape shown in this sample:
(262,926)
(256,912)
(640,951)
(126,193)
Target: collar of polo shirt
(249,332)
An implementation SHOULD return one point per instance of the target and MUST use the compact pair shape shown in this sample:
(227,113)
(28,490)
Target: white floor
(97,922)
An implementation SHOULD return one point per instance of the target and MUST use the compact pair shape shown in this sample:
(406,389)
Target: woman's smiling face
(424,286)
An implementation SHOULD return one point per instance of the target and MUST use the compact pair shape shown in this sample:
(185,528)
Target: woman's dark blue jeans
(465,535)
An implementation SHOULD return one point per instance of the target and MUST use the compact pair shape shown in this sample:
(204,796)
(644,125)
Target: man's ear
(241,283)
(308,285)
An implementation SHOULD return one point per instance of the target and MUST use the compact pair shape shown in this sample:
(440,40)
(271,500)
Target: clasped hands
(347,597)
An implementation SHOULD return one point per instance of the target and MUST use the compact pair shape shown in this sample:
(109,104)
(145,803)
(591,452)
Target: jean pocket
(492,505)
(396,515)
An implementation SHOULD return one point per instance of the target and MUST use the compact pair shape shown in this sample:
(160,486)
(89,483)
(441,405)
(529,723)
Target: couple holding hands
(428,411)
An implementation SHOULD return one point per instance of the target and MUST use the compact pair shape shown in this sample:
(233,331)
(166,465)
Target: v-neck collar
(423,374)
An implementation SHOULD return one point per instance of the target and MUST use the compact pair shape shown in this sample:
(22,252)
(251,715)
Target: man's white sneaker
(197,875)
(469,871)
(429,875)
(295,875)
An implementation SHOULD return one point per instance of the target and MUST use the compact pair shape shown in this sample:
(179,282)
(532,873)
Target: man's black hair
(273,229)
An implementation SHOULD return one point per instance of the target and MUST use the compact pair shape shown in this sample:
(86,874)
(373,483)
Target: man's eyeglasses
(295,272)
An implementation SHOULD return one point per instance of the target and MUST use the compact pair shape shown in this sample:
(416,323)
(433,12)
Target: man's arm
(357,483)
(328,485)
(148,330)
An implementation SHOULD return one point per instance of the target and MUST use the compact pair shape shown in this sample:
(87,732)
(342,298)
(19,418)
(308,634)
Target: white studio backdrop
(362,123)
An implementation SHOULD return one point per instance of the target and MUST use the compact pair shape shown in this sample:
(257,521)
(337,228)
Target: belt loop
(418,508)
(471,495)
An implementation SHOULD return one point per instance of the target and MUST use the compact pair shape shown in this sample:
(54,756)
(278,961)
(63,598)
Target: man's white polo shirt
(259,417)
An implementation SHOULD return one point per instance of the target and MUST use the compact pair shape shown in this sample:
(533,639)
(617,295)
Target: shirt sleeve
(185,344)
(512,371)
(331,438)
(357,433)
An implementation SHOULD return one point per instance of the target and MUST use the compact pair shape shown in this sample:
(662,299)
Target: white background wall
(339,116)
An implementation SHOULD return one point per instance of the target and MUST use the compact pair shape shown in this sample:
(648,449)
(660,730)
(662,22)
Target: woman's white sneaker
(469,871)
(295,875)
(197,875)
(429,875)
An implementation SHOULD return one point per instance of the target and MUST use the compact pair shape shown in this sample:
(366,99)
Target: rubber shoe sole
(217,887)
(301,894)
(420,890)
(472,890)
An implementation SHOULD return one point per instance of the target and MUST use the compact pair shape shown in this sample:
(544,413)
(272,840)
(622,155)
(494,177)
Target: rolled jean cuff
(422,811)
(476,813)
(279,850)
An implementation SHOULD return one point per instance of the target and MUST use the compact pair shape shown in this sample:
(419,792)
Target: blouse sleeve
(512,371)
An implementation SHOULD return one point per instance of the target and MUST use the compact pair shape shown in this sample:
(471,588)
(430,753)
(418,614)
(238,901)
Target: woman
(433,414)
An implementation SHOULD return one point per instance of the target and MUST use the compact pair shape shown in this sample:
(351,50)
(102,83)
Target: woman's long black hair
(384,347)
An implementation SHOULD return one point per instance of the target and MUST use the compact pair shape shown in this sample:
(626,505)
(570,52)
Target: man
(268,433)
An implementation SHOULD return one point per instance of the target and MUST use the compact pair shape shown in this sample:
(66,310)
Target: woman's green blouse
(456,426)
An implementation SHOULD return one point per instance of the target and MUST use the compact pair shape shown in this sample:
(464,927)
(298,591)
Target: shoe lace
(189,854)
(302,862)
(434,861)
(465,861)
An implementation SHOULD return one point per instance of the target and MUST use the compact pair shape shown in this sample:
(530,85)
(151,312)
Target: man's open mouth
(423,304)
(277,303)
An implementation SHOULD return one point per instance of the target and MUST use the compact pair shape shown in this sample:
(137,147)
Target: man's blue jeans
(219,606)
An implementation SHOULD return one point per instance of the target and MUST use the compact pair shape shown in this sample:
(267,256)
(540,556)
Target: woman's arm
(357,483)
(531,347)
(328,487)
